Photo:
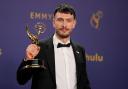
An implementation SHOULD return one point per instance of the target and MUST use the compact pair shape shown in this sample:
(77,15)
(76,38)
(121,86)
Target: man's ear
(74,25)
(53,22)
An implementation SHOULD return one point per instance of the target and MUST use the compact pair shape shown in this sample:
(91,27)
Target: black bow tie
(63,45)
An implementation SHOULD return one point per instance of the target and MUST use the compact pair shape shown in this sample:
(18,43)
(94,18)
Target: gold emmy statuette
(40,28)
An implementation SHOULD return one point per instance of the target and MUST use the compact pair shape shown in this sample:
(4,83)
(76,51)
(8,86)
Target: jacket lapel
(77,59)
(51,58)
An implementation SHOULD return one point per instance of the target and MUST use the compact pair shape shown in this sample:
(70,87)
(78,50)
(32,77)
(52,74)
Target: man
(63,60)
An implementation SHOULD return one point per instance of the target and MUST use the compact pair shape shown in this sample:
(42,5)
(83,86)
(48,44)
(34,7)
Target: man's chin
(64,36)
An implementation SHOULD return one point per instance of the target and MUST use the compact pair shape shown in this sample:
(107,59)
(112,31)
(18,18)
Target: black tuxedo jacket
(45,78)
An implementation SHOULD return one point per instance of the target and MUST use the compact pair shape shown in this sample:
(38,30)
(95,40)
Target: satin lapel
(51,58)
(77,59)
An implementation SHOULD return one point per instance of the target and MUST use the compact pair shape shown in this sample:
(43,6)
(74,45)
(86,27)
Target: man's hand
(32,51)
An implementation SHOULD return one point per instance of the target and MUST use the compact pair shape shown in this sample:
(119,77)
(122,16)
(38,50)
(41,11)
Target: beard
(63,32)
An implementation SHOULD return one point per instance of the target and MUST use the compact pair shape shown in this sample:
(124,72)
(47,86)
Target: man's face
(64,23)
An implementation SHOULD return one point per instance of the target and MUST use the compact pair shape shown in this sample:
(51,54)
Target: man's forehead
(63,15)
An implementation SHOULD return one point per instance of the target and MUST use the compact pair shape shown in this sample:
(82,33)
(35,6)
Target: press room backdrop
(102,28)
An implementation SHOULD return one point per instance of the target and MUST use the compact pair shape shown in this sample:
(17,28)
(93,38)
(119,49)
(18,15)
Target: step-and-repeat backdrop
(102,28)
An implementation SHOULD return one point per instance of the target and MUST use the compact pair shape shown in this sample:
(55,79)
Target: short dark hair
(65,8)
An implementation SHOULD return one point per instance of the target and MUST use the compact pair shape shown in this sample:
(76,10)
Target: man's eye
(59,19)
(69,20)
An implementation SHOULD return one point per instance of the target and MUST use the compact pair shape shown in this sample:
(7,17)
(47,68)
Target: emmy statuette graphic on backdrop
(40,29)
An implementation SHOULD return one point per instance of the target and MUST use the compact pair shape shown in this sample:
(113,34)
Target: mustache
(64,28)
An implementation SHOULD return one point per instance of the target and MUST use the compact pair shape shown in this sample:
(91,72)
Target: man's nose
(64,23)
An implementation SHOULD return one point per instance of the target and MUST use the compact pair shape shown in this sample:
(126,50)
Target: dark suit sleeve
(24,74)
(84,75)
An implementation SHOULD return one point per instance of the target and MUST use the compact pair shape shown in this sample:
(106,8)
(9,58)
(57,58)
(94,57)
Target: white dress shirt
(65,66)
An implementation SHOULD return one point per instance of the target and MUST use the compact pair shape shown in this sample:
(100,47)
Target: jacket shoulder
(45,41)
(78,45)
